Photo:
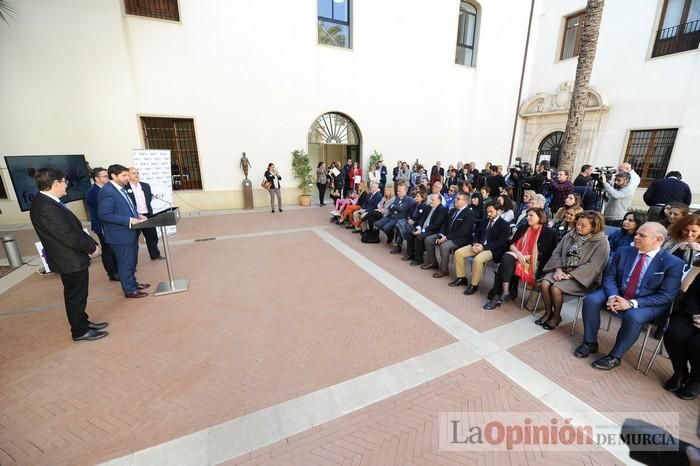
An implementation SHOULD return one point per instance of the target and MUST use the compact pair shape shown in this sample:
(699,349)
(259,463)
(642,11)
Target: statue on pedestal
(245,165)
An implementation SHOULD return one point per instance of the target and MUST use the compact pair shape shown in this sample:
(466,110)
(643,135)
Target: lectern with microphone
(162,220)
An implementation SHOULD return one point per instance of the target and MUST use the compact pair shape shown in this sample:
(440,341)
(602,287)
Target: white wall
(643,92)
(77,74)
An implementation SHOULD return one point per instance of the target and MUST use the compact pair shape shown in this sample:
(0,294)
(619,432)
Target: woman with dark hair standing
(321,182)
(625,235)
(274,178)
(576,266)
(530,249)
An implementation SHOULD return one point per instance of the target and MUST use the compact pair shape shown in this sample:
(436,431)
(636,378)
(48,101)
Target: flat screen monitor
(23,167)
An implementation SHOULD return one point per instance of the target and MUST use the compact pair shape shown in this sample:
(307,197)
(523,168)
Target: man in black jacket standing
(141,195)
(664,191)
(67,249)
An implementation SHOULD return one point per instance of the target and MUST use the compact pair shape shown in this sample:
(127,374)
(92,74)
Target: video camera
(522,168)
(598,173)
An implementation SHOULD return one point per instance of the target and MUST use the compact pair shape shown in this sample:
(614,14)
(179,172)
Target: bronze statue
(245,165)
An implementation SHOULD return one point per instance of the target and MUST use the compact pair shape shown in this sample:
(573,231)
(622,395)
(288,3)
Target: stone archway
(544,114)
(334,136)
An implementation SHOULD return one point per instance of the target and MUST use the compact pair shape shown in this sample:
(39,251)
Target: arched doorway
(334,136)
(550,147)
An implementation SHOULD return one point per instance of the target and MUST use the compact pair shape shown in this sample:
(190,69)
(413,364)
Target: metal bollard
(12,251)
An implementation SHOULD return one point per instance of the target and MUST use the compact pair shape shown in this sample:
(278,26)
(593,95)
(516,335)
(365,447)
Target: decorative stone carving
(542,103)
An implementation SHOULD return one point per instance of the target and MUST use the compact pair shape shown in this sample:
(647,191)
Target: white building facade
(210,80)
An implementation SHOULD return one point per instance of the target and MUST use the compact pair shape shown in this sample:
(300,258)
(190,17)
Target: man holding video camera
(620,195)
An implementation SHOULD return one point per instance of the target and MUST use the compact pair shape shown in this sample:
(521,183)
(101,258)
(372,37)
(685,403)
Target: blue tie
(131,205)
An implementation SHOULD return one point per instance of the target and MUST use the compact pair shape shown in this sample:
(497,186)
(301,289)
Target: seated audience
(640,284)
(356,202)
(487,197)
(431,225)
(477,207)
(672,212)
(530,249)
(451,196)
(370,204)
(567,223)
(536,202)
(523,206)
(683,239)
(421,208)
(572,200)
(490,239)
(453,179)
(456,232)
(625,235)
(415,222)
(381,211)
(399,210)
(466,187)
(507,212)
(576,266)
(682,341)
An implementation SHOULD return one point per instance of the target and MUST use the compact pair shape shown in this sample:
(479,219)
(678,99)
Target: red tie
(634,278)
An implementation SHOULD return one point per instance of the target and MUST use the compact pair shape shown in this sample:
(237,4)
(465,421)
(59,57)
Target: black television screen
(23,167)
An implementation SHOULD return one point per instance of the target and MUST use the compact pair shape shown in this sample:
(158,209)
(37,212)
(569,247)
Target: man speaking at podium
(141,195)
(118,214)
(68,249)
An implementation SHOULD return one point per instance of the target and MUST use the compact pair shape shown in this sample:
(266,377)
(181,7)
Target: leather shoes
(91,335)
(440,274)
(407,258)
(586,349)
(142,286)
(689,392)
(461,281)
(428,266)
(114,278)
(159,258)
(471,289)
(492,304)
(416,262)
(136,294)
(607,363)
(676,382)
(396,250)
(97,325)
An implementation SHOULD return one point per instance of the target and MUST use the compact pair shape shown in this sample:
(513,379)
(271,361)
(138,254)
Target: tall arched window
(466,34)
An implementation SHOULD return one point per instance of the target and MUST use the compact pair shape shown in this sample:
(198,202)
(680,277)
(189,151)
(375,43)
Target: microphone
(161,199)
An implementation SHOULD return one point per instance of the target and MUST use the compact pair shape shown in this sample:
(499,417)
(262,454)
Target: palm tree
(6,10)
(579,97)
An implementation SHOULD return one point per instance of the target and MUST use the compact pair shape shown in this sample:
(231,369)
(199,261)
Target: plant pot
(305,200)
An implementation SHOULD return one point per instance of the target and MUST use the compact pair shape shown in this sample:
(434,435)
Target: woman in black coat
(523,254)
(682,341)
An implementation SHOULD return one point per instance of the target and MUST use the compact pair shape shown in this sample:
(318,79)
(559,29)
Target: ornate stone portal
(545,114)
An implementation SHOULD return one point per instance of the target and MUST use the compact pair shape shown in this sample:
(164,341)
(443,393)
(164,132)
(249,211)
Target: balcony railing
(677,39)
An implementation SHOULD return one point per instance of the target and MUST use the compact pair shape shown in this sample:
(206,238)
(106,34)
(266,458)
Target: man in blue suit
(100,178)
(640,283)
(118,214)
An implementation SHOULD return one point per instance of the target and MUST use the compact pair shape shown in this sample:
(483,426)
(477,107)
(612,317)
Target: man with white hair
(626,167)
(639,286)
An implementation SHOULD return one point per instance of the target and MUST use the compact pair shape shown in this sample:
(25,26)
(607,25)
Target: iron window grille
(649,152)
(162,9)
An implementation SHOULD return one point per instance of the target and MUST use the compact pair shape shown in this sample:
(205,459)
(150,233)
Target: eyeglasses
(65,181)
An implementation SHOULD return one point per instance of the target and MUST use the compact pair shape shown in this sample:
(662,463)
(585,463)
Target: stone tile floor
(296,344)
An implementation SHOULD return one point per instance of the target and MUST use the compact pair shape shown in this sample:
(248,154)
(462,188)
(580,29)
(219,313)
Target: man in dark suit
(109,262)
(495,182)
(456,232)
(382,175)
(640,284)
(664,191)
(490,243)
(140,194)
(118,214)
(67,248)
(432,225)
(398,211)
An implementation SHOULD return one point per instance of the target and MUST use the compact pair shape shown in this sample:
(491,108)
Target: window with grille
(649,152)
(572,35)
(162,9)
(334,22)
(177,135)
(466,34)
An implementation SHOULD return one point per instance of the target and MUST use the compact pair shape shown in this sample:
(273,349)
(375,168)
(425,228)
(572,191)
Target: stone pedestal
(248,195)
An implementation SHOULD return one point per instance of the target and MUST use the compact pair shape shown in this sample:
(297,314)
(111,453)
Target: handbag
(266,184)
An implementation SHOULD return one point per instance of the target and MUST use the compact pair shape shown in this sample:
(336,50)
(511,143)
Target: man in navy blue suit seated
(640,284)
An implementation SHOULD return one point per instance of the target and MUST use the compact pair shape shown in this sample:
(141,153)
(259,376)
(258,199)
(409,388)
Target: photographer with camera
(584,178)
(620,196)
(539,179)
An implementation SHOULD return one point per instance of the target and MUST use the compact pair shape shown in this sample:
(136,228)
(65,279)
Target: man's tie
(454,217)
(131,204)
(486,236)
(631,289)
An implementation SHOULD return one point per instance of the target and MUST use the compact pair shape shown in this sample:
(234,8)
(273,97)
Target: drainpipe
(522,79)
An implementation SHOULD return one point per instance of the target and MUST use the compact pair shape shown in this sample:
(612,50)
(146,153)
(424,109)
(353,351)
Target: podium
(162,220)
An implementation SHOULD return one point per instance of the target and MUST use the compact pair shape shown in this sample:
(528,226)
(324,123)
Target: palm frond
(6,10)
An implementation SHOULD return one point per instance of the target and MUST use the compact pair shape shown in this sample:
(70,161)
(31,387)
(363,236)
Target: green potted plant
(301,169)
(374,158)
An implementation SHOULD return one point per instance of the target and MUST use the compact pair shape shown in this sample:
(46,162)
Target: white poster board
(42,253)
(155,169)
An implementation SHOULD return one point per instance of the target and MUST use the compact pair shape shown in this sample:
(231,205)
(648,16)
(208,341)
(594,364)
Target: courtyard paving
(295,344)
